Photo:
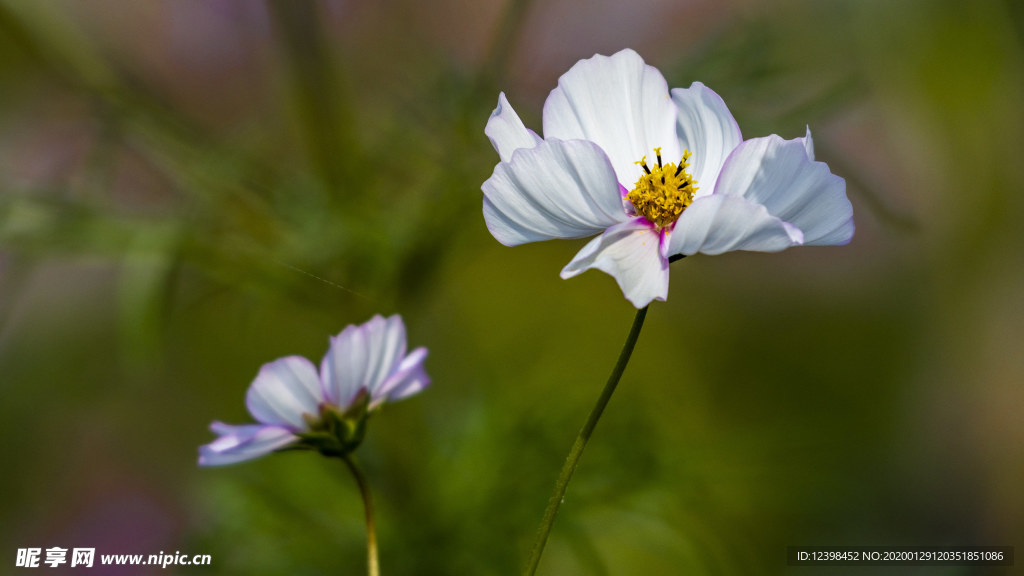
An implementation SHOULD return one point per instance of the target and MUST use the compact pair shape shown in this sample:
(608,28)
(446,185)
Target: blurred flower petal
(362,357)
(409,378)
(239,443)
(283,391)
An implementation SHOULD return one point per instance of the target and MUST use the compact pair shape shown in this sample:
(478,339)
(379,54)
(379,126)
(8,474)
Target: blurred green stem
(504,42)
(323,106)
(372,565)
(581,442)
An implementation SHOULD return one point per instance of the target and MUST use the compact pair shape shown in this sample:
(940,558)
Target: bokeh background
(189,189)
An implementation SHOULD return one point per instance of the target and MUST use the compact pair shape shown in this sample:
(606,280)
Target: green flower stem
(372,565)
(581,442)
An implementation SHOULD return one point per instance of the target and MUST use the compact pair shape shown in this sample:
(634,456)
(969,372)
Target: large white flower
(656,174)
(365,366)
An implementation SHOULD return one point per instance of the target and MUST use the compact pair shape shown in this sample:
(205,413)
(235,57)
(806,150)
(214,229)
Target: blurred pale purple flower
(295,406)
(707,191)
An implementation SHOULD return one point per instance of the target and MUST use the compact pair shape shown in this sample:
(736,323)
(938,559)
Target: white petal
(283,391)
(808,144)
(707,129)
(619,103)
(631,253)
(507,132)
(362,357)
(409,378)
(238,443)
(554,190)
(719,223)
(782,176)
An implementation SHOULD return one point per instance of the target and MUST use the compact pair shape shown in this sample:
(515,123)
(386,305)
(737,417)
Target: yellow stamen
(663,191)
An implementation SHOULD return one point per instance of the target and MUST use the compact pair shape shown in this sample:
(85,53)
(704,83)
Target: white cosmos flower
(656,174)
(364,367)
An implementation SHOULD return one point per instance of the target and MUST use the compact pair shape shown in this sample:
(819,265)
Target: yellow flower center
(664,191)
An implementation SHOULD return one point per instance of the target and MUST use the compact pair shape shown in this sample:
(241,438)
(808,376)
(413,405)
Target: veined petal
(781,175)
(283,391)
(631,253)
(719,223)
(362,357)
(408,379)
(238,443)
(707,129)
(620,104)
(507,132)
(554,190)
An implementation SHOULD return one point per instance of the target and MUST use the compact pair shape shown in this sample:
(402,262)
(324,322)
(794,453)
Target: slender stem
(581,442)
(372,565)
(322,102)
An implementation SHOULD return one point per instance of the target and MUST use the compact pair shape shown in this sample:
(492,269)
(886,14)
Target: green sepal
(335,433)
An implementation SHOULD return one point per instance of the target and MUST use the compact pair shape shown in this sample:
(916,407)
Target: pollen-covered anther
(663,191)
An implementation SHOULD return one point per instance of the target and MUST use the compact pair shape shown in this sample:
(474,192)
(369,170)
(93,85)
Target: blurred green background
(190,189)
